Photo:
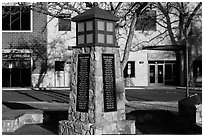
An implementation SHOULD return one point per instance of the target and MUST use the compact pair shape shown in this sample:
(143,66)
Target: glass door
(160,74)
(19,75)
(156,74)
(152,74)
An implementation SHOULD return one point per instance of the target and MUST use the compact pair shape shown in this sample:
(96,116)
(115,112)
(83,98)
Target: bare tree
(129,12)
(180,19)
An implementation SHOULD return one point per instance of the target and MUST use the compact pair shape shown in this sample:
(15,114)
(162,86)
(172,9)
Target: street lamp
(95,27)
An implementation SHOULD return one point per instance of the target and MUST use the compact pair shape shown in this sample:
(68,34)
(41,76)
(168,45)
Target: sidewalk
(54,103)
(136,87)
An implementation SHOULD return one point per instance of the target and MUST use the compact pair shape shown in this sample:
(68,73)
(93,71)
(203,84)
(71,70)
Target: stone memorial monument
(97,97)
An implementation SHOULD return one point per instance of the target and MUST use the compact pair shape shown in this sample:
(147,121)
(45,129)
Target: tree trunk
(128,44)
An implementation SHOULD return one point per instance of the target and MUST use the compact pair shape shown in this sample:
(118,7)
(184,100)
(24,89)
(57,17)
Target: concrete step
(14,119)
(23,113)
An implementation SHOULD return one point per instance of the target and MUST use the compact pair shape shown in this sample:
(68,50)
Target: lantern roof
(95,13)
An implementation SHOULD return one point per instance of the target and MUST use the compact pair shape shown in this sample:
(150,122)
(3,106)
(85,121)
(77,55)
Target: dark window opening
(146,21)
(168,72)
(152,73)
(59,65)
(131,73)
(64,24)
(19,75)
(197,69)
(16,18)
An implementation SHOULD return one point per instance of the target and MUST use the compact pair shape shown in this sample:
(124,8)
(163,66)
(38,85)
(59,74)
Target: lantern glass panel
(80,27)
(80,39)
(109,39)
(100,38)
(109,26)
(89,25)
(89,38)
(101,25)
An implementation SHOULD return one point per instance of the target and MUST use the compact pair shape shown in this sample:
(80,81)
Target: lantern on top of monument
(95,27)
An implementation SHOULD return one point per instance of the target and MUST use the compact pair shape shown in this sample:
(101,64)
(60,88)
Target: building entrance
(16,71)
(16,77)
(156,74)
(162,73)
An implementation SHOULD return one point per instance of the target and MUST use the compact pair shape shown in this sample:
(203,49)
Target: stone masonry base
(123,127)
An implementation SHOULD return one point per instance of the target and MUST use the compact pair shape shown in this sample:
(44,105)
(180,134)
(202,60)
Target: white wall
(57,50)
(58,43)
(141,69)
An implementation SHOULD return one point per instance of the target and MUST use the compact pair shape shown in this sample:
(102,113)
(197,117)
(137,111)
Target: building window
(59,65)
(64,24)
(147,21)
(197,68)
(129,71)
(15,18)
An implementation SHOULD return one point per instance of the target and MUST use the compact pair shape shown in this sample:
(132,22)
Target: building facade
(36,53)
(151,68)
(22,42)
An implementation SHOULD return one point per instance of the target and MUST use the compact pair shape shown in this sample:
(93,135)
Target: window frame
(31,22)
(69,29)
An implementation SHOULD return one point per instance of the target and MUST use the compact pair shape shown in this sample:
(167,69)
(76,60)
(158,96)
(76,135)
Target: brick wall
(15,38)
(35,41)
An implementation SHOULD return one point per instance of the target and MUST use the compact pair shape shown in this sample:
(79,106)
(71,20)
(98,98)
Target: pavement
(54,100)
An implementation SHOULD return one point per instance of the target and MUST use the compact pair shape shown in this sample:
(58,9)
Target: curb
(51,88)
(150,87)
(41,88)
(191,88)
(15,88)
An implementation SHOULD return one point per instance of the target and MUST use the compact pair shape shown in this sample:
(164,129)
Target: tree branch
(171,34)
(188,22)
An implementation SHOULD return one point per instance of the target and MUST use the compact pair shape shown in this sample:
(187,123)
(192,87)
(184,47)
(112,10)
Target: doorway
(156,74)
(17,76)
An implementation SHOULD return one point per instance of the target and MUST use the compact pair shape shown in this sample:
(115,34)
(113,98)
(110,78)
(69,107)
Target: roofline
(95,13)
(165,47)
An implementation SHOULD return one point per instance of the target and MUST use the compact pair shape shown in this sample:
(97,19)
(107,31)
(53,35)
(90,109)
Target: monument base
(124,127)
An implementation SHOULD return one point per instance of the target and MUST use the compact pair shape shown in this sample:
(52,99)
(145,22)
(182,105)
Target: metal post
(10,76)
(10,67)
(64,78)
(129,72)
(31,69)
(187,76)
(129,80)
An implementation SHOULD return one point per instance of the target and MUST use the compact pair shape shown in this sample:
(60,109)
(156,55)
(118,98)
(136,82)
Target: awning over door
(165,47)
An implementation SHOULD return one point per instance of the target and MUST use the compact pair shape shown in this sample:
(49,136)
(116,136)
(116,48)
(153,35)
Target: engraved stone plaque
(83,82)
(109,87)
